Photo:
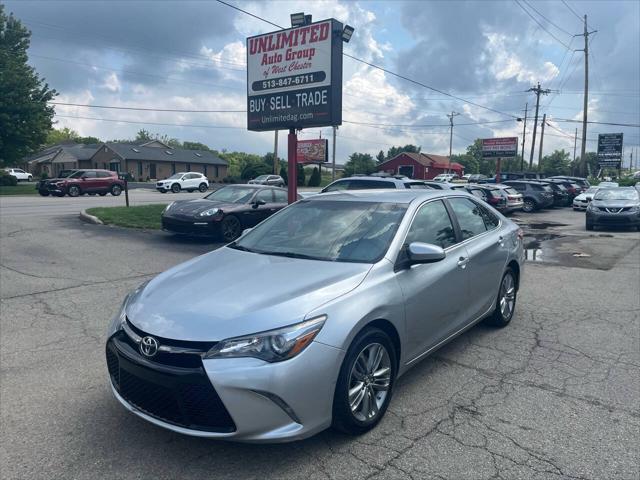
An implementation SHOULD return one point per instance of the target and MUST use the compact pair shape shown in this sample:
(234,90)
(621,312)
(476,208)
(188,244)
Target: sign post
(610,150)
(294,81)
(499,148)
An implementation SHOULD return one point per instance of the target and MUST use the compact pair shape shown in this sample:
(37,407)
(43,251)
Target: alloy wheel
(507,296)
(369,382)
(528,206)
(74,191)
(230,228)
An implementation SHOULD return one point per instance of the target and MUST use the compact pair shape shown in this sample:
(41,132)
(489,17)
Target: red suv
(85,181)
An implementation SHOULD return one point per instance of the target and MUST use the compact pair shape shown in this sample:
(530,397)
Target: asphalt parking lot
(554,395)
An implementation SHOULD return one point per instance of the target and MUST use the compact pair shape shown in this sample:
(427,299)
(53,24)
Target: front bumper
(189,226)
(248,399)
(622,219)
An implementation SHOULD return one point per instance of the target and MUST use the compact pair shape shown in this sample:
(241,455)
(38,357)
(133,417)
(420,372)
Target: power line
(549,21)
(146,109)
(151,123)
(571,10)
(542,26)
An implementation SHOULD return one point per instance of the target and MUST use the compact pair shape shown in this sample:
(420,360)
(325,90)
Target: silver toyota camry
(308,320)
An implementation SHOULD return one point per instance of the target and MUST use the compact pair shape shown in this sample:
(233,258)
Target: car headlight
(273,345)
(120,317)
(634,209)
(208,213)
(166,209)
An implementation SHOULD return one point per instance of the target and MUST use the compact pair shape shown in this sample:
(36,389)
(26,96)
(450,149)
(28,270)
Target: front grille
(181,396)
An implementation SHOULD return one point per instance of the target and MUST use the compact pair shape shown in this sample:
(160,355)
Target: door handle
(462,262)
(501,240)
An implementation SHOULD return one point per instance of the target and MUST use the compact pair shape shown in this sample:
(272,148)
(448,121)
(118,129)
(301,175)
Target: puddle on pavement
(543,226)
(534,246)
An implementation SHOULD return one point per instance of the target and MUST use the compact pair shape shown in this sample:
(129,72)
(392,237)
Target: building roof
(132,151)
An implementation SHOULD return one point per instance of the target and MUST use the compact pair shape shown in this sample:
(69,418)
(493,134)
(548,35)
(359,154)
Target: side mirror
(419,252)
(245,231)
(257,203)
(83,177)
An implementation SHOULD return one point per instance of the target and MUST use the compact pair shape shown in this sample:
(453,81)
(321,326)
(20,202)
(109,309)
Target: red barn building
(423,166)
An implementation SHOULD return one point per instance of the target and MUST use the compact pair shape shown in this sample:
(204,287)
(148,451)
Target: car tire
(116,190)
(43,193)
(506,302)
(175,188)
(230,228)
(529,205)
(373,401)
(74,191)
(102,194)
(203,187)
(29,178)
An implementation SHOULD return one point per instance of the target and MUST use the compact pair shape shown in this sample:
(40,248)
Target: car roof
(404,196)
(254,186)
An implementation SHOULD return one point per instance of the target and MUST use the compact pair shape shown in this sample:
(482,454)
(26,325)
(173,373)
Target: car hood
(197,205)
(228,293)
(615,203)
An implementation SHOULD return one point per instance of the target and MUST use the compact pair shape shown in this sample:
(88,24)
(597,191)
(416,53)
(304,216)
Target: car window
(232,194)
(90,174)
(339,185)
(281,196)
(490,220)
(511,191)
(470,217)
(521,187)
(103,174)
(17,170)
(418,185)
(265,195)
(432,225)
(479,194)
(367,184)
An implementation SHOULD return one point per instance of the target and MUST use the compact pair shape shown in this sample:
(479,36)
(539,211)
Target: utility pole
(524,136)
(453,114)
(585,106)
(575,144)
(333,155)
(544,120)
(538,91)
(276,163)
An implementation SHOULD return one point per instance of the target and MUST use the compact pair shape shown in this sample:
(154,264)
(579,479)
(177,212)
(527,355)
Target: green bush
(7,180)
(314,179)
(301,175)
(231,179)
(283,174)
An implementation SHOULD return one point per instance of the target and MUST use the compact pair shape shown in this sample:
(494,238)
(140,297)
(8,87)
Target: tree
(56,136)
(380,157)
(25,116)
(470,164)
(315,178)
(301,174)
(359,163)
(557,163)
(393,151)
(196,146)
(88,140)
(253,170)
(143,136)
(283,174)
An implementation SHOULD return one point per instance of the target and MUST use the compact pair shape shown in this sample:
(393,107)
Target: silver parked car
(275,180)
(308,320)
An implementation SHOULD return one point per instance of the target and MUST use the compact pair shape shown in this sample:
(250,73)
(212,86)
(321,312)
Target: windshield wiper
(293,255)
(235,246)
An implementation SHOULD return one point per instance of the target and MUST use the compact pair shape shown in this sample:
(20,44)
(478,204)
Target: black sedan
(614,207)
(224,213)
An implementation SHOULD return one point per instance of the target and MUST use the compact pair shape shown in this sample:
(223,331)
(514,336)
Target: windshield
(342,231)
(617,194)
(592,190)
(175,176)
(232,194)
(262,177)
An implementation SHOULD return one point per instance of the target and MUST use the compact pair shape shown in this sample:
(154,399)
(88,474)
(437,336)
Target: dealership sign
(499,147)
(312,151)
(609,150)
(294,77)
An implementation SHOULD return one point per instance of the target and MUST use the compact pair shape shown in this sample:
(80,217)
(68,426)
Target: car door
(486,251)
(258,212)
(102,182)
(90,183)
(433,293)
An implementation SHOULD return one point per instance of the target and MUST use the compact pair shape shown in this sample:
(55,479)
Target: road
(554,395)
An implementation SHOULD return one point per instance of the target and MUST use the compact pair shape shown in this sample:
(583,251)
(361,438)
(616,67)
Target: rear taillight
(520,234)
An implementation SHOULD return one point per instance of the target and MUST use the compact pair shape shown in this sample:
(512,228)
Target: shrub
(7,180)
(301,175)
(283,174)
(231,179)
(314,179)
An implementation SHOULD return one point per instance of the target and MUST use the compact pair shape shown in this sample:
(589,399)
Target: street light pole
(453,114)
(524,136)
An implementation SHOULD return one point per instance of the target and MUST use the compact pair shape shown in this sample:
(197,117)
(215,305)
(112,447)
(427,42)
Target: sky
(191,55)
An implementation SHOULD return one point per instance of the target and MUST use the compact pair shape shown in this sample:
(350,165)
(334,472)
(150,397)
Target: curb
(85,217)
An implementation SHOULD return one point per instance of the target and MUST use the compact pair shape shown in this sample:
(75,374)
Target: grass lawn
(20,189)
(142,216)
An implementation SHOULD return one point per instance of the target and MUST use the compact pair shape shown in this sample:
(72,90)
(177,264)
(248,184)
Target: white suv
(189,181)
(19,174)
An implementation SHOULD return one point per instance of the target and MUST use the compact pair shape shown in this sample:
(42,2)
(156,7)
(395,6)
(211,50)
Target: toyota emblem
(148,346)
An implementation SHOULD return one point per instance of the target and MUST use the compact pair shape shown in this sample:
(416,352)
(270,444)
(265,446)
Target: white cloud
(112,83)
(507,65)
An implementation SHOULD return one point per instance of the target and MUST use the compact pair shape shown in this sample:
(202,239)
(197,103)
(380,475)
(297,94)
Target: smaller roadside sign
(610,150)
(504,147)
(312,151)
